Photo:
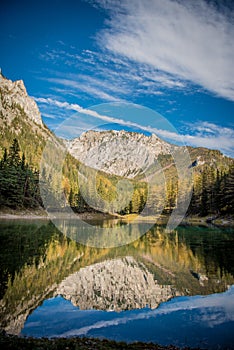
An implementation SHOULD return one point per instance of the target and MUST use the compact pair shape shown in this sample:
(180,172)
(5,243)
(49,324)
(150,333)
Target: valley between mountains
(113,172)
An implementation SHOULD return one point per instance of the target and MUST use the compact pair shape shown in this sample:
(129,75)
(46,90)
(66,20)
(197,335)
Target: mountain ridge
(16,107)
(116,155)
(14,94)
(20,118)
(121,153)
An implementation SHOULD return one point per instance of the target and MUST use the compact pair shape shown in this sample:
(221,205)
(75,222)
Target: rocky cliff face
(20,118)
(117,284)
(14,97)
(121,153)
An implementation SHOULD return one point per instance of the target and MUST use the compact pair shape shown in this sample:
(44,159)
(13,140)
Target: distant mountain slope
(129,154)
(121,153)
(116,154)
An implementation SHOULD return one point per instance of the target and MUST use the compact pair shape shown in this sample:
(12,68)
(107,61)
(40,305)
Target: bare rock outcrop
(14,97)
(120,153)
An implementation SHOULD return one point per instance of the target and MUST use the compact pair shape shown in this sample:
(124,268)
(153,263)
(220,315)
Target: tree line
(213,189)
(213,192)
(19,183)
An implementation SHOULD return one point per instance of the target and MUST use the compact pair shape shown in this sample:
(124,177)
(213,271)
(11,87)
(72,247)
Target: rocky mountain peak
(120,153)
(14,96)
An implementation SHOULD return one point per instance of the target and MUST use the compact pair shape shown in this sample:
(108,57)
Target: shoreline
(21,343)
(41,214)
(9,214)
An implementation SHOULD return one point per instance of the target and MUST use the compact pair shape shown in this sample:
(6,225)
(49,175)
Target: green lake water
(160,287)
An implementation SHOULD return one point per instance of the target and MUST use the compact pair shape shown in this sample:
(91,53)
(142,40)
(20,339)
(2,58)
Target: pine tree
(19,185)
(228,193)
(14,153)
(23,162)
(71,198)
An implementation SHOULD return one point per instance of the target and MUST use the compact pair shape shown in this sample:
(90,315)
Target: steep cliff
(20,118)
(14,99)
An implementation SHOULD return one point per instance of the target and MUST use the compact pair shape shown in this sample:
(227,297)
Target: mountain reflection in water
(38,262)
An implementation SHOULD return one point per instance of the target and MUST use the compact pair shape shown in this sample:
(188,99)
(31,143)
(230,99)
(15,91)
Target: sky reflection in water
(205,321)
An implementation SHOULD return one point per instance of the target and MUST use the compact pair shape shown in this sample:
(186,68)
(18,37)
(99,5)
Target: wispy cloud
(50,116)
(89,85)
(188,40)
(108,77)
(201,134)
(89,112)
(210,135)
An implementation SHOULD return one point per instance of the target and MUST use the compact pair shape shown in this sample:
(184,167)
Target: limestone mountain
(116,154)
(21,124)
(148,159)
(129,154)
(14,96)
(121,153)
(20,118)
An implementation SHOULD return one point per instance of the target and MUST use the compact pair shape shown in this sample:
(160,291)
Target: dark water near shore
(168,288)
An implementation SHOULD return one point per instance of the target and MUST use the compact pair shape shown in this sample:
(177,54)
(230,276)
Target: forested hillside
(19,183)
(213,188)
(23,141)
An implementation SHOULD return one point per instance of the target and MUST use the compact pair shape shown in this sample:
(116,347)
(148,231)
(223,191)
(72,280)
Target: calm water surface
(169,288)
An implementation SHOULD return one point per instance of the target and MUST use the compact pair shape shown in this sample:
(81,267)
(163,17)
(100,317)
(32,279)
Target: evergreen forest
(212,194)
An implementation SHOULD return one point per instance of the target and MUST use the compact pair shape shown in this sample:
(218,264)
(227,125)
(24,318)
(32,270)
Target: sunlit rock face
(14,97)
(117,284)
(120,153)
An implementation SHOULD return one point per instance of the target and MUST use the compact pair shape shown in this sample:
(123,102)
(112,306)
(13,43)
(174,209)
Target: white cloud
(73,107)
(108,77)
(210,135)
(189,40)
(89,112)
(50,116)
(89,86)
(201,134)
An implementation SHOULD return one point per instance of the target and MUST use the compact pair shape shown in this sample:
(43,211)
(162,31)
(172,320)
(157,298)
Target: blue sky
(173,56)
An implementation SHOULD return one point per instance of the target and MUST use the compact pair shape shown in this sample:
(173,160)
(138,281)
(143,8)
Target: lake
(164,287)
